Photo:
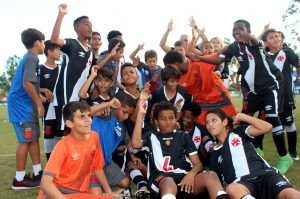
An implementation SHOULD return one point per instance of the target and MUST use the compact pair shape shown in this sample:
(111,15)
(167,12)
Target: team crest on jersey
(235,142)
(197,139)
(280,58)
(168,141)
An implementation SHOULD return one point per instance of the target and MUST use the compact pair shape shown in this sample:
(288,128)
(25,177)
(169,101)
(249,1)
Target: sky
(139,21)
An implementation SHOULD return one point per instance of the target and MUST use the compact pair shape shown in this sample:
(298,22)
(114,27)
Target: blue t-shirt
(111,133)
(21,108)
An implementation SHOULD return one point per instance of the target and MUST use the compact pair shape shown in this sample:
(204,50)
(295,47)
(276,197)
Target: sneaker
(26,183)
(127,193)
(37,178)
(284,163)
(142,193)
(259,152)
(294,155)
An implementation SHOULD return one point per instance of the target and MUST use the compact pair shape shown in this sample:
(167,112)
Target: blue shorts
(27,131)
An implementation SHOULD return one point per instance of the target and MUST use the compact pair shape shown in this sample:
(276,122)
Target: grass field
(8,144)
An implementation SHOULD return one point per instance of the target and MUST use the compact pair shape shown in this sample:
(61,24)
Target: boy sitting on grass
(67,173)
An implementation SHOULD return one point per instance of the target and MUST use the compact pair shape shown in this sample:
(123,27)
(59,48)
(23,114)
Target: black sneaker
(37,178)
(26,183)
(142,193)
(294,155)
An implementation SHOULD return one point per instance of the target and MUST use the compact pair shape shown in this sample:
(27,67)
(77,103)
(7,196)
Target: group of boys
(111,128)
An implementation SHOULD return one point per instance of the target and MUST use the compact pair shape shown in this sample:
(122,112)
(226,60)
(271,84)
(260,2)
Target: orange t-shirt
(189,80)
(72,161)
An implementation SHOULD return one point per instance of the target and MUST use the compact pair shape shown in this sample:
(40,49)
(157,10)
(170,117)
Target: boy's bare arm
(114,103)
(132,56)
(50,188)
(163,40)
(35,97)
(57,26)
(82,94)
(108,56)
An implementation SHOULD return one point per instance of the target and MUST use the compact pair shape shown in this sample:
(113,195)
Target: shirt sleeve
(30,67)
(98,162)
(57,159)
(229,53)
(189,144)
(243,131)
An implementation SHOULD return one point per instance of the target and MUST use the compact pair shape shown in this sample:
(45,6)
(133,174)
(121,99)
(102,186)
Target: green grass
(8,143)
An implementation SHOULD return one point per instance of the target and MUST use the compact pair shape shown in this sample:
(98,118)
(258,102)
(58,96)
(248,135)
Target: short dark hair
(113,42)
(95,33)
(126,100)
(150,54)
(112,34)
(247,24)
(78,20)
(30,36)
(281,34)
(202,44)
(267,32)
(105,72)
(222,115)
(170,72)
(179,43)
(125,65)
(163,106)
(193,107)
(49,46)
(172,57)
(71,108)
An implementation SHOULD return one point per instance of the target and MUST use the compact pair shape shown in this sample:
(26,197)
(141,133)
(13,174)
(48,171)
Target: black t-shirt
(237,159)
(284,60)
(160,95)
(48,77)
(168,152)
(74,72)
(256,66)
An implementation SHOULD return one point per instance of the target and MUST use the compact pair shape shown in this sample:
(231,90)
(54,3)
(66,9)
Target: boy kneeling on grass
(67,173)
(169,173)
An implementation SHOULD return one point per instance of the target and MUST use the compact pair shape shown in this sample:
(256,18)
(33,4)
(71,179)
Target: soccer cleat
(294,155)
(142,193)
(127,193)
(259,152)
(26,183)
(284,163)
(37,178)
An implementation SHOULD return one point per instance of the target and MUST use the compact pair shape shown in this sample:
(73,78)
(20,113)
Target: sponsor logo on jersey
(81,54)
(281,183)
(220,159)
(76,156)
(268,107)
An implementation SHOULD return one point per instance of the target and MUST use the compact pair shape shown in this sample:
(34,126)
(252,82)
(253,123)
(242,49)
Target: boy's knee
(125,183)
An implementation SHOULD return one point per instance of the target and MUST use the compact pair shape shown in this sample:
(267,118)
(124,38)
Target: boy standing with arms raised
(77,62)
(24,114)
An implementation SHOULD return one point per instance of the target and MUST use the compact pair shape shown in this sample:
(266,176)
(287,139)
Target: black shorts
(268,101)
(267,186)
(287,116)
(153,184)
(51,130)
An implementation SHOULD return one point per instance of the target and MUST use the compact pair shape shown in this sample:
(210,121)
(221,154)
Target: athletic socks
(278,138)
(168,196)
(292,137)
(138,178)
(20,175)
(222,195)
(36,169)
(247,197)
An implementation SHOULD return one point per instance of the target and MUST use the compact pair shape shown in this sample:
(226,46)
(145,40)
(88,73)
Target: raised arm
(114,103)
(82,94)
(108,56)
(56,30)
(163,40)
(258,127)
(266,27)
(201,31)
(132,56)
(136,140)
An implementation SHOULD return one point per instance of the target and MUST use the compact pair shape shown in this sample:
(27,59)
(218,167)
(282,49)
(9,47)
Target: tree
(290,18)
(7,77)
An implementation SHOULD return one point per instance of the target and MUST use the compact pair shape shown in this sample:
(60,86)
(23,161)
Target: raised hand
(114,50)
(140,46)
(170,26)
(94,70)
(192,22)
(114,103)
(63,9)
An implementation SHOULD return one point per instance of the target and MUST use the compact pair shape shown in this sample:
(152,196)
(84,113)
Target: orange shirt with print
(72,161)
